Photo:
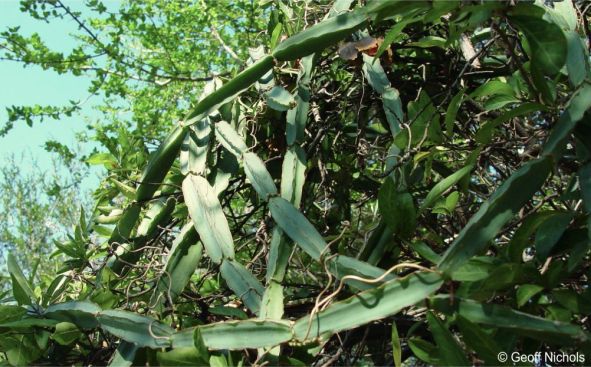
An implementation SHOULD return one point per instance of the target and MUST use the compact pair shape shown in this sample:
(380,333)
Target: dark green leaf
(450,352)
(478,340)
(396,348)
(442,186)
(547,42)
(66,333)
(21,289)
(507,318)
(550,231)
(124,355)
(397,208)
(525,292)
(495,212)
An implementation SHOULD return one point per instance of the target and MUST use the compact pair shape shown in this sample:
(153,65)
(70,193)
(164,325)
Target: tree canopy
(330,183)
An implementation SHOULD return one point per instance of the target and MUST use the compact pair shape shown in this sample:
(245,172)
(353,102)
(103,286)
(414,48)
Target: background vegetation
(296,182)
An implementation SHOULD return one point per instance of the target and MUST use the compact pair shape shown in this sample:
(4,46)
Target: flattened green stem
(130,253)
(231,89)
(160,162)
(185,254)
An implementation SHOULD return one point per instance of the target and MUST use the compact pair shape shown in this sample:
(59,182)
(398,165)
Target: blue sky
(33,85)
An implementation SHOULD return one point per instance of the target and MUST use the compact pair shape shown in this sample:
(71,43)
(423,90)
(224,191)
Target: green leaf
(21,289)
(493,88)
(585,184)
(127,191)
(478,340)
(397,208)
(394,32)
(181,357)
(124,355)
(550,231)
(377,78)
(377,244)
(10,313)
(578,105)
(506,318)
(370,305)
(24,352)
(280,99)
(218,361)
(424,350)
(423,118)
(425,252)
(65,333)
(297,227)
(141,330)
(567,12)
(258,176)
(485,132)
(208,218)
(267,81)
(544,87)
(520,239)
(237,334)
(495,212)
(199,344)
(396,348)
(452,111)
(275,36)
(474,269)
(577,59)
(106,159)
(243,284)
(450,352)
(546,40)
(442,186)
(447,205)
(572,301)
(429,41)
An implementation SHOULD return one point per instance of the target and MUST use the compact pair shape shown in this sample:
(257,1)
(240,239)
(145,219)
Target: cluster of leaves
(37,207)
(434,195)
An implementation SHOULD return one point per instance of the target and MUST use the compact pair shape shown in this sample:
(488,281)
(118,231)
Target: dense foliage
(382,181)
(37,206)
